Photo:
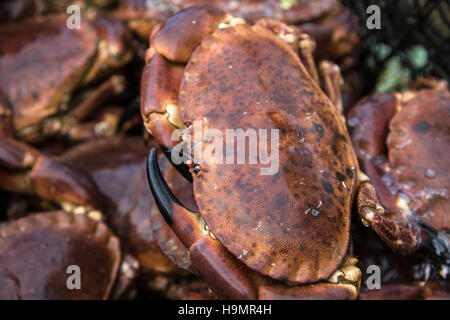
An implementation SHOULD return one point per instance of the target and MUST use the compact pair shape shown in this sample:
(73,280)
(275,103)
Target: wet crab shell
(418,144)
(24,57)
(293,225)
(36,251)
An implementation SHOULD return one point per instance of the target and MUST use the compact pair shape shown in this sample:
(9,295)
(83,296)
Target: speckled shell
(36,251)
(42,48)
(418,148)
(293,225)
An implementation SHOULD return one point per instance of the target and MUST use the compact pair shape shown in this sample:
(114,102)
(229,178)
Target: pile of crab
(93,204)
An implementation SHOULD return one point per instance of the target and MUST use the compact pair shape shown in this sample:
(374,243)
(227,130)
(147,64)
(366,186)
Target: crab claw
(184,222)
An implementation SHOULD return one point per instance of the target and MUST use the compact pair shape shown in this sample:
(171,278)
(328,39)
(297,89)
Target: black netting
(413,41)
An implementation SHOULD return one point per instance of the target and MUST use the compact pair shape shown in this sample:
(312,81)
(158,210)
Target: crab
(38,254)
(76,184)
(401,140)
(114,163)
(70,230)
(255,236)
(46,95)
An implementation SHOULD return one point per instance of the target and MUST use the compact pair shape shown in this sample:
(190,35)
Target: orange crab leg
(159,93)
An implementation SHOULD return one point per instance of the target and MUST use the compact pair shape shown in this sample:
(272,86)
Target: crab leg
(24,169)
(306,54)
(331,81)
(329,75)
(399,237)
(64,125)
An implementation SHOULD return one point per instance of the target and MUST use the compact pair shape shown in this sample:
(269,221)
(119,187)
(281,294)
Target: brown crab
(57,238)
(46,70)
(402,141)
(256,236)
(37,252)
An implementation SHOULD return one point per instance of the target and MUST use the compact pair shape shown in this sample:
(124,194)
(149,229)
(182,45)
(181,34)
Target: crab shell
(293,225)
(418,144)
(37,82)
(36,251)
(413,135)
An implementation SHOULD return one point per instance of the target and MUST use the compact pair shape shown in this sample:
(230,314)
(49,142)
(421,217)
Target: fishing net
(413,42)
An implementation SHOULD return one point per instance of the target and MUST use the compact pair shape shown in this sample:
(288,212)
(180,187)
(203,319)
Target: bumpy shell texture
(418,143)
(293,225)
(42,48)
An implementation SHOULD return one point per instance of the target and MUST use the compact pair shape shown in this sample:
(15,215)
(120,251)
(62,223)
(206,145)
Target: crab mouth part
(80,209)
